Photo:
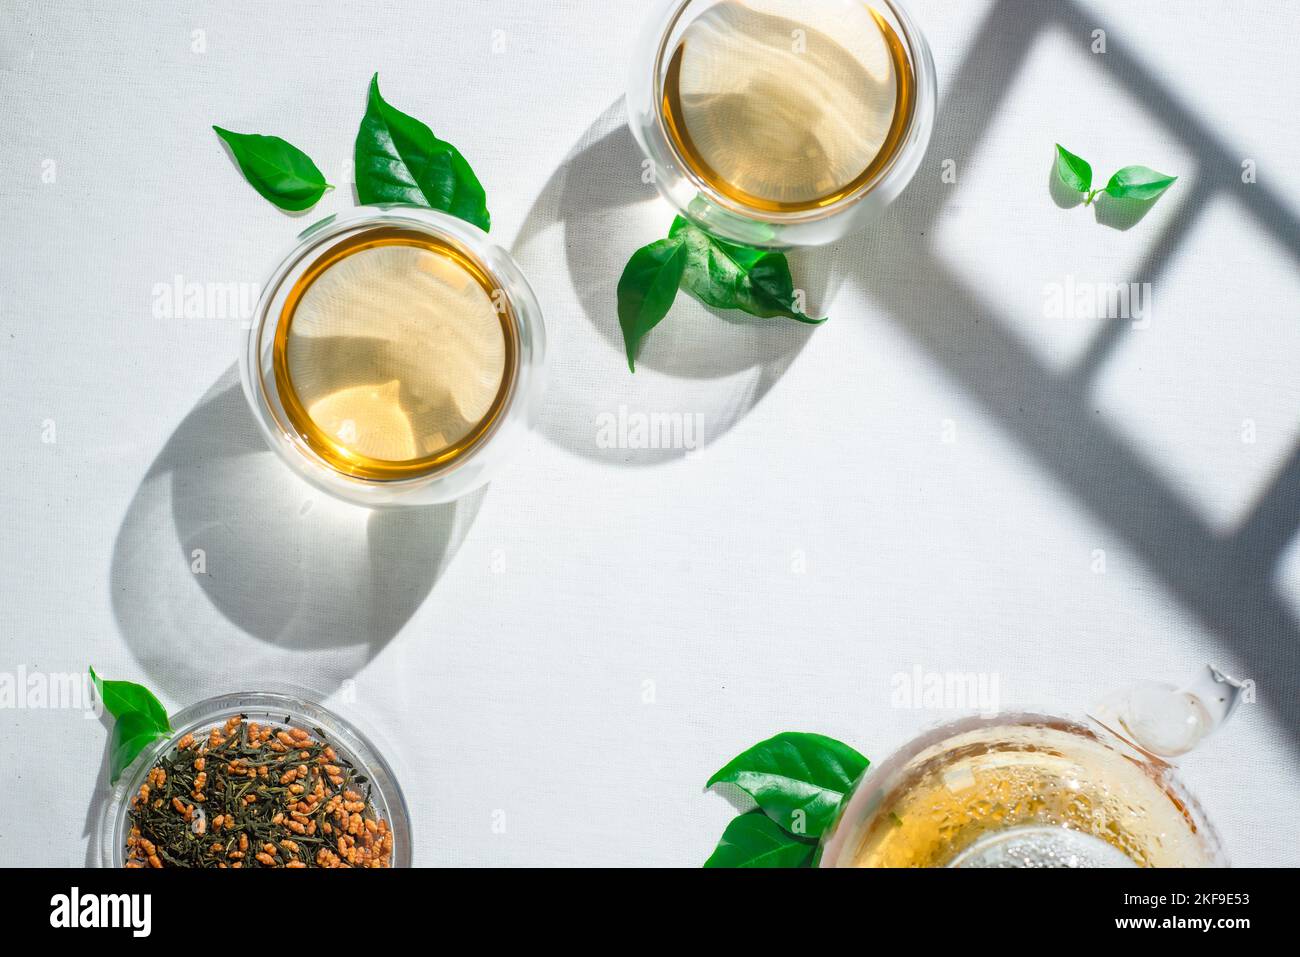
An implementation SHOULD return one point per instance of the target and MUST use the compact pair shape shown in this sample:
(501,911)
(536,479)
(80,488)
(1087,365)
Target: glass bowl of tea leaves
(257,780)
(781,123)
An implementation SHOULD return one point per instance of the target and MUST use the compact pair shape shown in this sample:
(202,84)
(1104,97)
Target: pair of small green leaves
(717,273)
(140,719)
(397,159)
(798,781)
(1132,182)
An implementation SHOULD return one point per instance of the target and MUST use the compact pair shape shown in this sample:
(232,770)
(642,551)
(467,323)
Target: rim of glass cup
(520,395)
(732,219)
(266,707)
(864,801)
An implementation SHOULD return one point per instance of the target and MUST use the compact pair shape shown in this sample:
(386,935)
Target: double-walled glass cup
(280,710)
(395,357)
(781,123)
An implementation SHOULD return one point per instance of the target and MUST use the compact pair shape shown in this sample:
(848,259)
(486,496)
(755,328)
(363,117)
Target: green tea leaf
(132,733)
(797,779)
(647,289)
(1073,171)
(729,276)
(278,170)
(139,719)
(399,160)
(1138,182)
(754,840)
(123,697)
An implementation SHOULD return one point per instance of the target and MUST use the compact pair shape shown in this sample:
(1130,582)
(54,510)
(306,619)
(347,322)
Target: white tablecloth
(945,478)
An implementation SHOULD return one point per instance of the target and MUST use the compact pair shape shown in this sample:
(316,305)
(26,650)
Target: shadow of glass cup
(702,370)
(227,567)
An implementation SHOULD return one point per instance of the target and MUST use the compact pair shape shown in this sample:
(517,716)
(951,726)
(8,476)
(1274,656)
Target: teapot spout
(1166,721)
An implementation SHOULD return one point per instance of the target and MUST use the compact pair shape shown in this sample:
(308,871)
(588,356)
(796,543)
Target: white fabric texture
(949,476)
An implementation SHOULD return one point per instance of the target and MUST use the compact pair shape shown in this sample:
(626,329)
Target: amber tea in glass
(773,121)
(390,352)
(394,354)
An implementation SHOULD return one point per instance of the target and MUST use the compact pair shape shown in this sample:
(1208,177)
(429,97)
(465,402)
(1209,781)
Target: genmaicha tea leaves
(1132,182)
(399,160)
(244,795)
(798,780)
(139,720)
(755,840)
(719,274)
(278,170)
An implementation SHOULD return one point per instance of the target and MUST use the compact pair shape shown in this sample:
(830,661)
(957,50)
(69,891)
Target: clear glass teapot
(1032,790)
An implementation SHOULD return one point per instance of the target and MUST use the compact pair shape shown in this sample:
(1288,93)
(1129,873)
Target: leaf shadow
(102,792)
(1122,213)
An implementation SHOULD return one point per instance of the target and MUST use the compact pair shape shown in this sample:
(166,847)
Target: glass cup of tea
(782,123)
(395,357)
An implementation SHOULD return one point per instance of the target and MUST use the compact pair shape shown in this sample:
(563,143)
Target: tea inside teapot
(1031,790)
(1026,791)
